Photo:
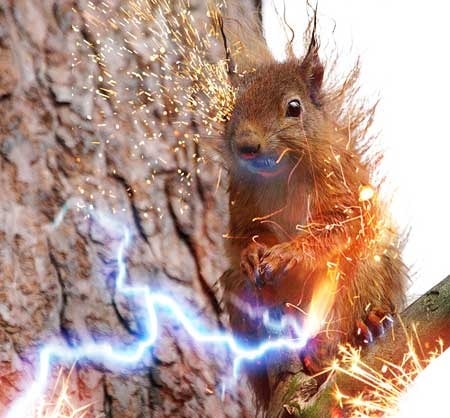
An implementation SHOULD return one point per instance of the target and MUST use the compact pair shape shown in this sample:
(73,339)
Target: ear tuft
(312,67)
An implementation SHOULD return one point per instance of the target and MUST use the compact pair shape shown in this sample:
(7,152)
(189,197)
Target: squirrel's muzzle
(253,155)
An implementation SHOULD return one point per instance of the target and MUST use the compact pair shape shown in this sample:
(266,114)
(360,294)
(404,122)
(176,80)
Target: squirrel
(307,228)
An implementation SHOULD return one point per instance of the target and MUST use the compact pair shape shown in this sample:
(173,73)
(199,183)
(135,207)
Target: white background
(404,49)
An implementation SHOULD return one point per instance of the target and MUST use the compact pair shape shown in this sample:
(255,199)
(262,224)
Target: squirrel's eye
(294,108)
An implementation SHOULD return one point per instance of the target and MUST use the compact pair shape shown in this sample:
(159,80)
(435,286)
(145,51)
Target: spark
(166,69)
(113,357)
(386,387)
(60,404)
(198,86)
(283,153)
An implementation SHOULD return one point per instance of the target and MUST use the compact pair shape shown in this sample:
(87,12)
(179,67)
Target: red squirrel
(307,229)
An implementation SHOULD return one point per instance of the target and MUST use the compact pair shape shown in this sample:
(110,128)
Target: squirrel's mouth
(264,165)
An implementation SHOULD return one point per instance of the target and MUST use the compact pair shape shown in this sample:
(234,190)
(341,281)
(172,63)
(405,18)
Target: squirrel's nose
(249,151)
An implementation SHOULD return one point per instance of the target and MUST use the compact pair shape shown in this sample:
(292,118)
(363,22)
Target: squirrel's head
(286,121)
(277,116)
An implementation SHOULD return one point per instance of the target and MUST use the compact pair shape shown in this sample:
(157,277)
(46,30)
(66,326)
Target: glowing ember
(366,193)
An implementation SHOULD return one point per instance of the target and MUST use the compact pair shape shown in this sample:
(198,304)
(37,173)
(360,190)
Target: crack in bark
(107,401)
(172,277)
(202,194)
(64,331)
(187,239)
(5,96)
(138,224)
(123,321)
(134,211)
(85,33)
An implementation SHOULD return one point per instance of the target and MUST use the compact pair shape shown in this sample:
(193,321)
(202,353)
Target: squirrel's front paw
(250,259)
(277,261)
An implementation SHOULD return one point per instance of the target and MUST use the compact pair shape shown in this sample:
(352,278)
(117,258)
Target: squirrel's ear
(243,40)
(312,67)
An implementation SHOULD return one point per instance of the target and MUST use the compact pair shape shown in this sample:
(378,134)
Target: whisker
(285,151)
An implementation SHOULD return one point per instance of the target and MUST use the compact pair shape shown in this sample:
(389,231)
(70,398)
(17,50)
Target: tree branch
(428,317)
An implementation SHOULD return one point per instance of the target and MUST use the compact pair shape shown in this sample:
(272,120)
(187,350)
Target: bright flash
(322,300)
(427,395)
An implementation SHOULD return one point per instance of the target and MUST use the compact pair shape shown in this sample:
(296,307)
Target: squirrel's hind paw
(376,323)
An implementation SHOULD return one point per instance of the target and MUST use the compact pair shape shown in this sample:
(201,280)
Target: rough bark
(422,323)
(60,140)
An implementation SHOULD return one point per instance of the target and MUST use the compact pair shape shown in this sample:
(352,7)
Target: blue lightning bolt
(113,357)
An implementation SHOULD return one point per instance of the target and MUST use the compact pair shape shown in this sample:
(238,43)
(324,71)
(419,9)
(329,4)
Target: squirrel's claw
(250,261)
(379,320)
(363,333)
(374,325)
(277,261)
(264,265)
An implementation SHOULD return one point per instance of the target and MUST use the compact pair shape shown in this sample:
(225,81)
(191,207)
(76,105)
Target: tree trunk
(61,141)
